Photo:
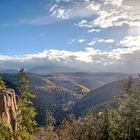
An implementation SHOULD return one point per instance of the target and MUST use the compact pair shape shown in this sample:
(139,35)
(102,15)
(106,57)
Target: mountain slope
(98,96)
(55,99)
(61,91)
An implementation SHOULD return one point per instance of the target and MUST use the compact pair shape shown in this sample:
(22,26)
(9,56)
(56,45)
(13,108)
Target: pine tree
(23,82)
(129,111)
(27,119)
(105,126)
(50,119)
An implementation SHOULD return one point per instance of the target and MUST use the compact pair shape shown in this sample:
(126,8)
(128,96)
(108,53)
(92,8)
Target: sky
(95,35)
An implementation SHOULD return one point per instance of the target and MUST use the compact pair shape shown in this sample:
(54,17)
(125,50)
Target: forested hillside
(61,92)
(119,120)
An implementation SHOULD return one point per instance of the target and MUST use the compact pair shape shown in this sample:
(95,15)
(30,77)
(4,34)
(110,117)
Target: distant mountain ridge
(70,80)
(76,91)
(53,69)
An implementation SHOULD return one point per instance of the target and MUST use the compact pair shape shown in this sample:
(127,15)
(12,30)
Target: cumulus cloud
(102,14)
(119,60)
(130,41)
(114,2)
(123,59)
(113,17)
(114,13)
(5,57)
(94,6)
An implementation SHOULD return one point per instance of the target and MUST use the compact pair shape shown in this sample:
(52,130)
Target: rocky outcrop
(8,109)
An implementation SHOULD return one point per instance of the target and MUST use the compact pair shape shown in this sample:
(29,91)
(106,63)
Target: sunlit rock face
(8,109)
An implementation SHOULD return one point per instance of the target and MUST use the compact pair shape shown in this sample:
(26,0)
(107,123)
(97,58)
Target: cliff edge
(8,109)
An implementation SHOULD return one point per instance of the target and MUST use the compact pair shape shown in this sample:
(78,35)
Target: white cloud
(114,13)
(130,41)
(102,14)
(112,17)
(60,12)
(100,40)
(95,40)
(5,57)
(84,23)
(109,41)
(53,8)
(91,43)
(123,59)
(93,6)
(114,2)
(81,40)
(93,30)
(76,10)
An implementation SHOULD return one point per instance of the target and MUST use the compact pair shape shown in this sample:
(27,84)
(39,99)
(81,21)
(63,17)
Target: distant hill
(99,96)
(79,83)
(8,71)
(52,69)
(92,80)
(59,92)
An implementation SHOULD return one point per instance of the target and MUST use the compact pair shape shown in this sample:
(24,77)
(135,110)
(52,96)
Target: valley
(69,93)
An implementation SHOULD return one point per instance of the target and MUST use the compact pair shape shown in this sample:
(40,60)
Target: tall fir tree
(27,111)
(129,111)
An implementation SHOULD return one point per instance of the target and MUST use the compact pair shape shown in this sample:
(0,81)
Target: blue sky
(20,38)
(83,30)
